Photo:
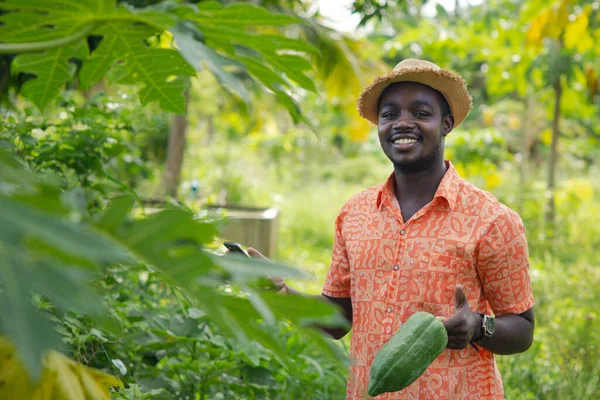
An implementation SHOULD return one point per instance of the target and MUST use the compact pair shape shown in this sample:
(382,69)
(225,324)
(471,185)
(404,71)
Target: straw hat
(450,85)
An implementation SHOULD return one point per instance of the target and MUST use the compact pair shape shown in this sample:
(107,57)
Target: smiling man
(427,240)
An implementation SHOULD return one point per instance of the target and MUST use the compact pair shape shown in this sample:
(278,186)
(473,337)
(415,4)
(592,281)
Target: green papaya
(420,340)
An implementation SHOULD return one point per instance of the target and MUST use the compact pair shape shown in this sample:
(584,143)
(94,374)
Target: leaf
(243,15)
(72,239)
(152,67)
(264,43)
(243,269)
(40,20)
(32,334)
(52,68)
(115,213)
(67,288)
(197,53)
(119,39)
(167,226)
(293,67)
(577,36)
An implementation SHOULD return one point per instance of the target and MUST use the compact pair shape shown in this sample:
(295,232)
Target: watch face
(489,325)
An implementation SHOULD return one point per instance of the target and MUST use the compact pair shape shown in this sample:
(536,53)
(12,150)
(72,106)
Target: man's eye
(421,114)
(388,114)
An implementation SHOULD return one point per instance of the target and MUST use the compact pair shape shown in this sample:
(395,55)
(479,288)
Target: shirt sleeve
(503,266)
(337,280)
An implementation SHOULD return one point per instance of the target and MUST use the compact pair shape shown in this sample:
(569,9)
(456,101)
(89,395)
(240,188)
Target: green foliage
(97,149)
(136,48)
(53,248)
(169,349)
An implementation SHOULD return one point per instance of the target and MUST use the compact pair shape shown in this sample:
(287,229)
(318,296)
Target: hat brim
(450,85)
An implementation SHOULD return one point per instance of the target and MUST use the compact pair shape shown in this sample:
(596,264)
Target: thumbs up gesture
(465,325)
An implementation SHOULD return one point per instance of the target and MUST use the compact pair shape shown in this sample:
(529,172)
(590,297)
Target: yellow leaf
(460,169)
(62,378)
(514,123)
(577,36)
(492,180)
(535,32)
(488,116)
(67,382)
(547,137)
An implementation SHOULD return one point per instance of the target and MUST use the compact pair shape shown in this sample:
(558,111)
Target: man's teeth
(405,141)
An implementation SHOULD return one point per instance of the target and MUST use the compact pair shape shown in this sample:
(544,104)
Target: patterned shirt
(391,269)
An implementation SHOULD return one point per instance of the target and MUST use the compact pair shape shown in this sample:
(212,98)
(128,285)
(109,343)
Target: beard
(421,164)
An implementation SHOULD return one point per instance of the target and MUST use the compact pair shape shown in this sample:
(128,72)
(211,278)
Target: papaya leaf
(39,20)
(198,54)
(243,269)
(73,239)
(52,69)
(30,331)
(264,43)
(118,40)
(115,213)
(243,15)
(153,68)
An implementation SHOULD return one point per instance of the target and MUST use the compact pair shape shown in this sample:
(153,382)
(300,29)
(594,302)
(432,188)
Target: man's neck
(419,187)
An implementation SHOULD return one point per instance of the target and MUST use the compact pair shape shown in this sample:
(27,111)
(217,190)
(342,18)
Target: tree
(566,29)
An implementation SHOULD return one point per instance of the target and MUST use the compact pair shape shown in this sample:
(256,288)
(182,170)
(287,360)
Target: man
(426,240)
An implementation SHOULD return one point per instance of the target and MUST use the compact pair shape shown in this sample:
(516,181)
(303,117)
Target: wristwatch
(487,326)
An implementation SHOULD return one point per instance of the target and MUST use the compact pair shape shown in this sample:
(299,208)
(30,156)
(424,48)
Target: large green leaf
(124,32)
(208,34)
(115,213)
(198,55)
(243,269)
(30,331)
(38,20)
(154,68)
(73,239)
(41,20)
(243,15)
(52,69)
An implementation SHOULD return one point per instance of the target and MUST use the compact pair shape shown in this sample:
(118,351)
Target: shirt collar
(447,190)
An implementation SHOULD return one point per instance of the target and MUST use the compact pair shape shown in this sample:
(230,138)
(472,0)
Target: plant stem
(16,48)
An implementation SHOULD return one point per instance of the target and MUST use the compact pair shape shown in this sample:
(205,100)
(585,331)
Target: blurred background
(281,176)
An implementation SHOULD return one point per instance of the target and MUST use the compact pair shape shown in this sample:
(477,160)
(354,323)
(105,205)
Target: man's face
(411,127)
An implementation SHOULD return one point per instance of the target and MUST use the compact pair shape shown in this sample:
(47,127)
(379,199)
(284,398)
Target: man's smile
(404,142)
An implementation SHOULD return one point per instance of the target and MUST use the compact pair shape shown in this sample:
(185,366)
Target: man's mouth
(405,141)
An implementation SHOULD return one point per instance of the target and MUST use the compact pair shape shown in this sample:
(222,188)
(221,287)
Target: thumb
(460,300)
(252,252)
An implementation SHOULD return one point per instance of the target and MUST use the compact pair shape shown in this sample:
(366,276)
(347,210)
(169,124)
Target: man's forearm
(345,304)
(514,334)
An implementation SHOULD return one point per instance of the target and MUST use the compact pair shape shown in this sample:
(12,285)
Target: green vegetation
(138,99)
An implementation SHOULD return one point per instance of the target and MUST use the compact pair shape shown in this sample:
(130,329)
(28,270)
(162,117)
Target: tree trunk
(550,212)
(176,150)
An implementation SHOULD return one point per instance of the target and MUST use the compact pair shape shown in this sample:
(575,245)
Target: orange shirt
(392,269)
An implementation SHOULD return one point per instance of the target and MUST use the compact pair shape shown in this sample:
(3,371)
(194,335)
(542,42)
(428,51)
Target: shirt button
(402,232)
(396,268)
(389,309)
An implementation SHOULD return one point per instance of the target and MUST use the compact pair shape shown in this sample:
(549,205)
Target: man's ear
(447,124)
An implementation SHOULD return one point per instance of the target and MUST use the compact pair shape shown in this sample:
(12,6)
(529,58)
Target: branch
(15,48)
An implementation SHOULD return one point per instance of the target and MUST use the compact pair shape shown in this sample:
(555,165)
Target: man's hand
(465,325)
(279,282)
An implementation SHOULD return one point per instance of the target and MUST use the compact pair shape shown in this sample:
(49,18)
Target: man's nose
(404,121)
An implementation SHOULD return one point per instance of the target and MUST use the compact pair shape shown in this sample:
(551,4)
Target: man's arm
(514,332)
(344,302)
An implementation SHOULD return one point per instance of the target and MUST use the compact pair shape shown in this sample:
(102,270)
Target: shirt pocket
(443,273)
